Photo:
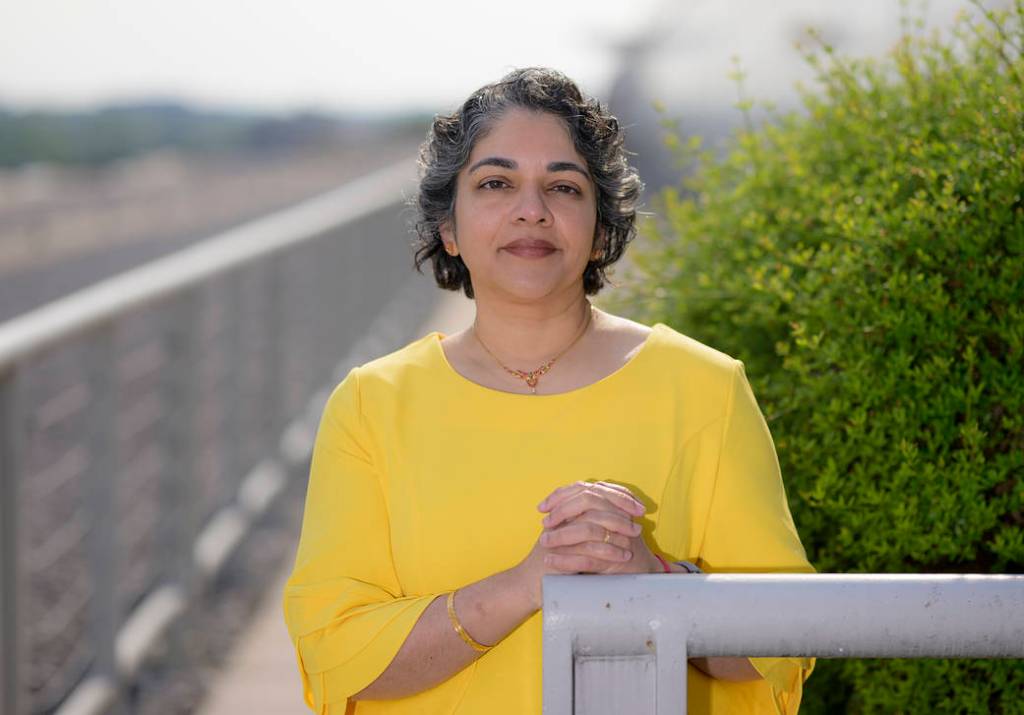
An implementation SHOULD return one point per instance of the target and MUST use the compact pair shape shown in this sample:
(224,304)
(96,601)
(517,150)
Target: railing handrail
(79,311)
(632,634)
(964,615)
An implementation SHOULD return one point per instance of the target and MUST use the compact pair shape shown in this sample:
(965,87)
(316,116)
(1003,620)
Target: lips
(529,248)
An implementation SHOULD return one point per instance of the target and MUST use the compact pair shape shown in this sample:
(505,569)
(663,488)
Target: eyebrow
(510,164)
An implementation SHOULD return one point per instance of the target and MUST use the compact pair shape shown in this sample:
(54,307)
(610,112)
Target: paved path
(261,675)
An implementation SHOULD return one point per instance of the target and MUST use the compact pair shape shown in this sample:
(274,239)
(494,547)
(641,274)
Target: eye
(494,184)
(566,189)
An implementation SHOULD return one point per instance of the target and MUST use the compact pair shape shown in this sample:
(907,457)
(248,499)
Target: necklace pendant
(531,380)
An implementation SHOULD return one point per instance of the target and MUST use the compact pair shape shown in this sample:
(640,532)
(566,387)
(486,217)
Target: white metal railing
(616,644)
(147,421)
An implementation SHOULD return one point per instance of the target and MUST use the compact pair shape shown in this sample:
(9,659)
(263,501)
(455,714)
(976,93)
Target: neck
(523,337)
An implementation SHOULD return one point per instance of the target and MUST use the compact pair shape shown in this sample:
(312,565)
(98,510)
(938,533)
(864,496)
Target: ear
(597,252)
(451,247)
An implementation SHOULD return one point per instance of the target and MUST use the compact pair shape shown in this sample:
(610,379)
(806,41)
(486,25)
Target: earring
(451,249)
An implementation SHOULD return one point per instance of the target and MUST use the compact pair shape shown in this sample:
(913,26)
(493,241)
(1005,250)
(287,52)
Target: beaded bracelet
(689,566)
(468,639)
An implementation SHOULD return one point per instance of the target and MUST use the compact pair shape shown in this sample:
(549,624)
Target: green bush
(865,258)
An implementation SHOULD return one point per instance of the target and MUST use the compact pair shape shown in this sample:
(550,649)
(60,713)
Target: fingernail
(637,529)
(628,555)
(546,520)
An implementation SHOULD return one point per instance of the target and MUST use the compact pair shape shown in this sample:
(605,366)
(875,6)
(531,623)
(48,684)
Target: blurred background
(129,129)
(156,415)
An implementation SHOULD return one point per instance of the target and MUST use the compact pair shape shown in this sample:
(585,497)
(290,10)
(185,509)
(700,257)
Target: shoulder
(667,343)
(704,374)
(670,344)
(390,372)
(419,356)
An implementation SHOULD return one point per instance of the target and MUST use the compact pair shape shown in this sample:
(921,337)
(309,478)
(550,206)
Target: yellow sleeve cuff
(785,677)
(336,662)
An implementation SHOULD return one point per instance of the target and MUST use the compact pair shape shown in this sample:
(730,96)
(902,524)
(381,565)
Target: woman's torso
(464,466)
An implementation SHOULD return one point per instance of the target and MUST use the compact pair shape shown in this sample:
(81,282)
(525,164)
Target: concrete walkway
(261,674)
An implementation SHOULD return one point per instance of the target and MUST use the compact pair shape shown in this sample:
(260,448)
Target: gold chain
(530,377)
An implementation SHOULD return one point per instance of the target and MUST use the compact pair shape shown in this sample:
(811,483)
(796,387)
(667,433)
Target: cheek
(586,222)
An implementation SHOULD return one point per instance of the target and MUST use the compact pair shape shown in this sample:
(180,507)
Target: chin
(529,291)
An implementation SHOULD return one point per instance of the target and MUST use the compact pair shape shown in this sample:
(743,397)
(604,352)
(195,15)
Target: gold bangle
(479,647)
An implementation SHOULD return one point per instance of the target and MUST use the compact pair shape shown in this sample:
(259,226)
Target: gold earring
(451,249)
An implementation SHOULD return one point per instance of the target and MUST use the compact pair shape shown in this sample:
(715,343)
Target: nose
(533,208)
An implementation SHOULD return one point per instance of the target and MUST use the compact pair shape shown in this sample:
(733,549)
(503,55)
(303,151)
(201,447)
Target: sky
(367,55)
(375,56)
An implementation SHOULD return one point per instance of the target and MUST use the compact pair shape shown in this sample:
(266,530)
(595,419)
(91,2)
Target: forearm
(488,609)
(735,669)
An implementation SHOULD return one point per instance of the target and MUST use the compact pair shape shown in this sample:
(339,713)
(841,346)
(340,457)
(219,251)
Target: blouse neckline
(435,338)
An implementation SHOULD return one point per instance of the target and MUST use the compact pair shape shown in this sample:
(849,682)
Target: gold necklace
(530,377)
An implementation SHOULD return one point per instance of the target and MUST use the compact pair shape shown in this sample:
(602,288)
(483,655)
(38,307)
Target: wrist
(527,587)
(658,564)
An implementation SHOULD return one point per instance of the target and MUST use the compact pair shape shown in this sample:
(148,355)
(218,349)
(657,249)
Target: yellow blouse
(423,481)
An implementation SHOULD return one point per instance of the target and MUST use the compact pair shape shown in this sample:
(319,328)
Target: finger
(618,487)
(620,496)
(609,552)
(574,506)
(571,563)
(560,494)
(624,498)
(579,532)
(616,493)
(586,561)
(603,521)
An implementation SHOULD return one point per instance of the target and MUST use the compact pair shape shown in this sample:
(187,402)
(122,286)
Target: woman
(417,585)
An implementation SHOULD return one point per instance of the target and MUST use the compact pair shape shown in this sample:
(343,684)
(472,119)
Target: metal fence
(623,646)
(143,423)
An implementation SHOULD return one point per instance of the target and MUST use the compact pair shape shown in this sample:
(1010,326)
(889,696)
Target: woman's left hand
(586,512)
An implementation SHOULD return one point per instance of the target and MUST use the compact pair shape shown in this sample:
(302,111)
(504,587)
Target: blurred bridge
(149,424)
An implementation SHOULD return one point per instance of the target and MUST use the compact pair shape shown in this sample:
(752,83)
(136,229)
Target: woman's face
(525,211)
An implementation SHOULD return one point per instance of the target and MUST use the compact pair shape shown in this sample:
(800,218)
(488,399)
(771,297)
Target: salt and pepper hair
(595,133)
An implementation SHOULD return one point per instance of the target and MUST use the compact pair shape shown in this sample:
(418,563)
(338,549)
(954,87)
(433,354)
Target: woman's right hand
(601,517)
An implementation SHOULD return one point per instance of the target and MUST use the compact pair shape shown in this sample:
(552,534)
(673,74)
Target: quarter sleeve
(749,526)
(343,605)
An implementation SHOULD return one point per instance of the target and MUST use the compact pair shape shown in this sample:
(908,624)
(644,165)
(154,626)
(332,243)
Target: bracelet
(468,639)
(689,566)
(664,563)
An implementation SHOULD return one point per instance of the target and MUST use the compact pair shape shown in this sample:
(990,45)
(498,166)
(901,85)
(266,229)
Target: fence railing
(146,422)
(620,643)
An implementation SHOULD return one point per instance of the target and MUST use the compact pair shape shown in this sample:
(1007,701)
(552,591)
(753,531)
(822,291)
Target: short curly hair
(595,133)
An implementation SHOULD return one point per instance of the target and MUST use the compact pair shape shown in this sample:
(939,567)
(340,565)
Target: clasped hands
(589,528)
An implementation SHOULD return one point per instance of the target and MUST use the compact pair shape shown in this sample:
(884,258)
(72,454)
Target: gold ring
(607,536)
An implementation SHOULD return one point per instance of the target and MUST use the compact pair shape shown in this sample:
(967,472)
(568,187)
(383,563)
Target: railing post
(184,522)
(99,495)
(671,675)
(235,466)
(277,372)
(12,434)
(597,664)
